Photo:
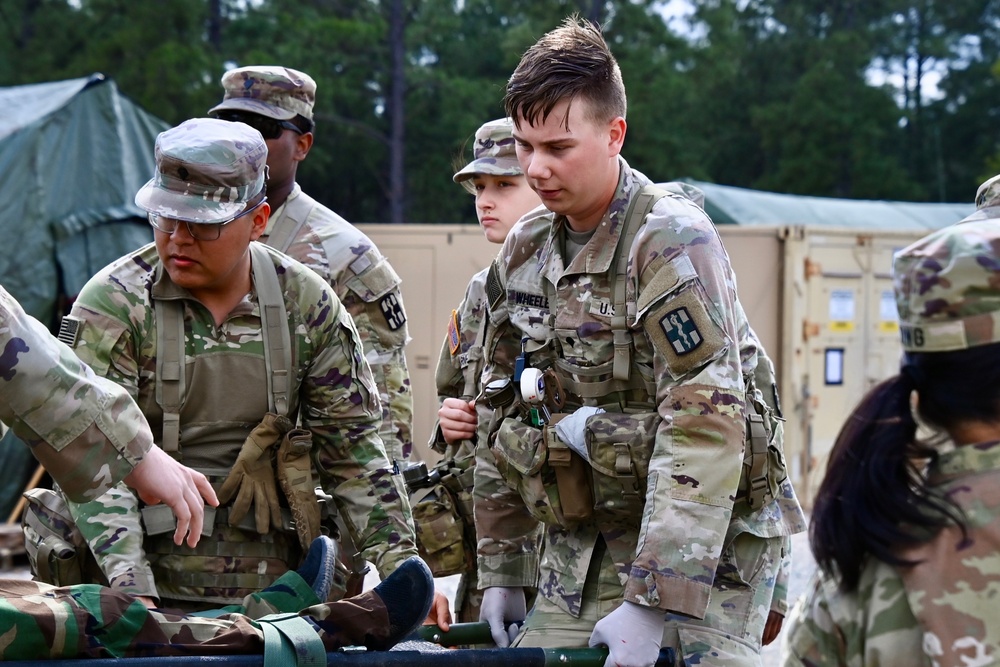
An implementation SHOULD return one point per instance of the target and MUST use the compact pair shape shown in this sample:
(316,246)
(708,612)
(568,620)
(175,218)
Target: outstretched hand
(159,478)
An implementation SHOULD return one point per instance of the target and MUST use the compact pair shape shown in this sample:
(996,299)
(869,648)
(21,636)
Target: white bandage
(532,385)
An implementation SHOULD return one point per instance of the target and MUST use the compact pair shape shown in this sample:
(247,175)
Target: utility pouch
(520,453)
(763,463)
(620,446)
(458,475)
(439,531)
(57,551)
(519,449)
(572,475)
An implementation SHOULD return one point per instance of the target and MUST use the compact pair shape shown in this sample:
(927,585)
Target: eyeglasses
(199,231)
(269,128)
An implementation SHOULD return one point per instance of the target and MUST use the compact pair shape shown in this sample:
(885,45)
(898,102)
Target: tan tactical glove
(253,476)
(296,478)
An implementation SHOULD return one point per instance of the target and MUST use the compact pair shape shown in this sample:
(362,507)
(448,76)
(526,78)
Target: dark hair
(569,62)
(875,498)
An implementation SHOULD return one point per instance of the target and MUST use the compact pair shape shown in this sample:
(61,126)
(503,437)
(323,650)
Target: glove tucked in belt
(252,478)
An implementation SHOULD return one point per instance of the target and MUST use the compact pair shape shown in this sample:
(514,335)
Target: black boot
(407,594)
(318,566)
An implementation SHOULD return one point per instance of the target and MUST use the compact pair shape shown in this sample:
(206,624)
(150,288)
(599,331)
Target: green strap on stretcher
(290,640)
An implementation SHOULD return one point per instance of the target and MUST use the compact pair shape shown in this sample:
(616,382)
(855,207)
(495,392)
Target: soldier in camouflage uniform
(278,101)
(640,425)
(85,430)
(502,197)
(905,529)
(90,434)
(225,344)
(90,621)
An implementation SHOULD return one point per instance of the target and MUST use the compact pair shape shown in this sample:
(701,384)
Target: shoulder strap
(170,363)
(170,368)
(296,211)
(274,326)
(640,206)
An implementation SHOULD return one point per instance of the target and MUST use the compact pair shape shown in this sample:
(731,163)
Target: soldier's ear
(260,217)
(303,143)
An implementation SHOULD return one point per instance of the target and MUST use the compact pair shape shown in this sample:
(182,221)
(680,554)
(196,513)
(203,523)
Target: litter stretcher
(290,646)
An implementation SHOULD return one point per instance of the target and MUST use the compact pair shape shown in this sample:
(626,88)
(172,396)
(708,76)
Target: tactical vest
(619,452)
(212,414)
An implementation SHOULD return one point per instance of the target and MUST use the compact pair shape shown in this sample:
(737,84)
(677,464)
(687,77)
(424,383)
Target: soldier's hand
(458,420)
(572,429)
(773,627)
(159,478)
(632,633)
(503,605)
(440,613)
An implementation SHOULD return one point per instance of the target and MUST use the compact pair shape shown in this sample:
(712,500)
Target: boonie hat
(947,288)
(989,193)
(206,171)
(493,152)
(276,92)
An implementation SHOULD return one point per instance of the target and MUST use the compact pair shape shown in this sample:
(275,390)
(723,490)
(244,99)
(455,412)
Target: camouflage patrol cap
(276,92)
(206,171)
(493,152)
(989,193)
(948,288)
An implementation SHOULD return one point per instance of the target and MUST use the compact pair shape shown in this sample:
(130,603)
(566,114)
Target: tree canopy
(879,99)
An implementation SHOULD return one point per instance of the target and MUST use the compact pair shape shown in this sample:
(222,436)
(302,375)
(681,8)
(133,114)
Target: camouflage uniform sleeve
(873,625)
(686,308)
(86,431)
(812,637)
(374,301)
(340,406)
(507,534)
(779,600)
(111,523)
(462,331)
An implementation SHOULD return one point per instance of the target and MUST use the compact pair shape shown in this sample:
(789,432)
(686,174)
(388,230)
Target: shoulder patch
(454,339)
(392,309)
(69,330)
(682,330)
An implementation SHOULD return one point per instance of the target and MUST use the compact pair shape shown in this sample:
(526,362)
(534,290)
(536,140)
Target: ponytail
(873,498)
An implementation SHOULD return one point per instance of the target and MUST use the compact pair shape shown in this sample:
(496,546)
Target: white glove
(632,634)
(502,605)
(572,429)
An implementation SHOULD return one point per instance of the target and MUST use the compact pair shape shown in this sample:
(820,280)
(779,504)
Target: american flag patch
(454,341)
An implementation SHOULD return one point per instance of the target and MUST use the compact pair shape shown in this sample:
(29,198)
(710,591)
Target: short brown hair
(571,61)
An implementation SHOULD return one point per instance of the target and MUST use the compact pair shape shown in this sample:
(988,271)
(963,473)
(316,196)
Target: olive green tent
(729,205)
(72,155)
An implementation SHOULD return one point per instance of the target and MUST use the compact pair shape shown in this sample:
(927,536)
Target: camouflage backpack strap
(170,368)
(274,328)
(640,206)
(296,211)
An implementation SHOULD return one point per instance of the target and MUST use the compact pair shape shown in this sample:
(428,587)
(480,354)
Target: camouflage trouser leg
(90,621)
(288,594)
(730,633)
(548,626)
(468,598)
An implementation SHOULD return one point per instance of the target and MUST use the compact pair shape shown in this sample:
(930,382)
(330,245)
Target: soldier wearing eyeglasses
(228,345)
(278,101)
